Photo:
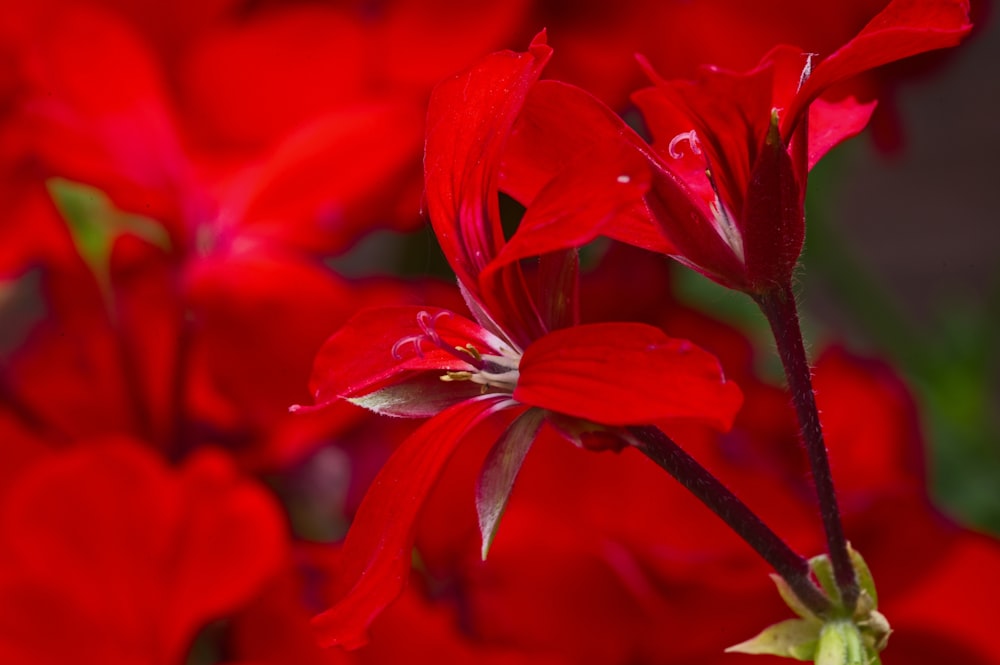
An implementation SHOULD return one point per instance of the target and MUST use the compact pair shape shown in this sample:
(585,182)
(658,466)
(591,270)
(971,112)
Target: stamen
(489,370)
(427,322)
(807,70)
(503,380)
(471,350)
(412,339)
(456,376)
(692,140)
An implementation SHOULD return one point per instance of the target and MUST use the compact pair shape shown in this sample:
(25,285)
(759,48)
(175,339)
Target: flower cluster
(208,210)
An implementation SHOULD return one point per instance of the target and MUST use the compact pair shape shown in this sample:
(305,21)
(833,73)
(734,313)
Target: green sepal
(791,599)
(792,638)
(838,637)
(864,574)
(840,643)
(823,570)
(499,471)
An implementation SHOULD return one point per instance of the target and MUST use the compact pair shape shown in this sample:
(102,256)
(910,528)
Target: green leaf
(792,638)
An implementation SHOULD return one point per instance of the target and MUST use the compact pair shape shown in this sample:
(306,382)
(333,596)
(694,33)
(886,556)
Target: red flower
(642,573)
(520,363)
(732,150)
(111,557)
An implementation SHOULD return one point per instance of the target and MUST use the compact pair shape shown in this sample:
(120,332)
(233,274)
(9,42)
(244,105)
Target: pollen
(471,350)
(456,376)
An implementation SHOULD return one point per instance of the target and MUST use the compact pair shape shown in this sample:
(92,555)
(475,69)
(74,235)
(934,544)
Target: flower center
(491,370)
(499,372)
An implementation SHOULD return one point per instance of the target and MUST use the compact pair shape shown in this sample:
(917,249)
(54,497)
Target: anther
(471,350)
(456,376)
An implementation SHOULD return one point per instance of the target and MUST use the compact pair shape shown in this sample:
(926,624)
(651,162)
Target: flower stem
(791,566)
(778,305)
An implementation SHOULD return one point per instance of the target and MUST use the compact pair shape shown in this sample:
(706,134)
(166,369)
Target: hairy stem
(779,307)
(791,566)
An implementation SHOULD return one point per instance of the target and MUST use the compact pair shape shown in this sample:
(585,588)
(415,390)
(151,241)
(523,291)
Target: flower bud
(840,643)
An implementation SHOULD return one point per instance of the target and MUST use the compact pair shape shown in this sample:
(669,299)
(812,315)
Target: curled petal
(376,556)
(625,374)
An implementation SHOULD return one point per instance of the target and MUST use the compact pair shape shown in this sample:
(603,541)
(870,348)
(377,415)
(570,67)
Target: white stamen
(692,140)
(725,227)
(807,70)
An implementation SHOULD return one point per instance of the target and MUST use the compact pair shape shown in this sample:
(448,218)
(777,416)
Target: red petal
(729,111)
(129,557)
(254,300)
(358,358)
(903,29)
(376,557)
(254,80)
(561,128)
(559,288)
(102,111)
(468,121)
(580,203)
(831,123)
(723,109)
(325,185)
(625,374)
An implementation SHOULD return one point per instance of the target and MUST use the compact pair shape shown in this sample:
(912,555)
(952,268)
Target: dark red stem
(791,566)
(779,307)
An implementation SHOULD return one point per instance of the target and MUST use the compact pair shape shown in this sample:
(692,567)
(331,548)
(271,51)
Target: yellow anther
(471,350)
(456,376)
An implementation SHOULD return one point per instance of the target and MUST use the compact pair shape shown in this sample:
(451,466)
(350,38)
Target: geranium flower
(731,151)
(153,325)
(519,362)
(112,557)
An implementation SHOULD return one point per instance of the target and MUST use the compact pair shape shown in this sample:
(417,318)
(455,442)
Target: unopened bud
(840,643)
